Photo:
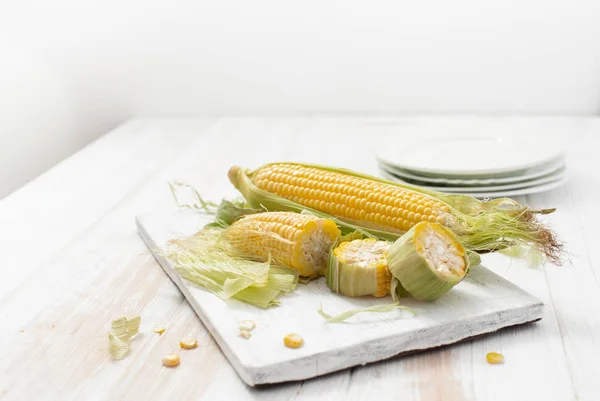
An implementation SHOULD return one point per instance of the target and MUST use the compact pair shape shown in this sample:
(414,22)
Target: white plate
(470,148)
(534,189)
(520,176)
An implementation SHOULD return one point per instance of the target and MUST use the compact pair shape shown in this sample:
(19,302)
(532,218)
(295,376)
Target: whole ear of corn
(428,261)
(386,209)
(300,241)
(359,267)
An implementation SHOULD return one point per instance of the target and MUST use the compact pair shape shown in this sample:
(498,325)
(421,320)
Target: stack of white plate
(480,165)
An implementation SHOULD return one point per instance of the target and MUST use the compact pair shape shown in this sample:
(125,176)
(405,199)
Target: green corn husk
(419,276)
(480,226)
(209,261)
(122,331)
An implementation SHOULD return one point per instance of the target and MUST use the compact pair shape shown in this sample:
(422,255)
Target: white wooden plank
(483,303)
(575,287)
(74,194)
(90,282)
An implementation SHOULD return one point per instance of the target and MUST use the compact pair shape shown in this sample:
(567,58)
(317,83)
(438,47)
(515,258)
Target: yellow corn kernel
(494,358)
(171,360)
(245,334)
(300,241)
(247,325)
(327,191)
(159,330)
(293,341)
(188,343)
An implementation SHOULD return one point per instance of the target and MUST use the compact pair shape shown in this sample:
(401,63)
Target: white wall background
(72,69)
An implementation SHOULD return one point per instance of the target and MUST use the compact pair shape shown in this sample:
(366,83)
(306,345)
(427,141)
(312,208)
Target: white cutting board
(482,303)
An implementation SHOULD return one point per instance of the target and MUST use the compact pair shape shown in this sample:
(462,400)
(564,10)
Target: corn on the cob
(428,261)
(295,240)
(386,209)
(355,199)
(359,267)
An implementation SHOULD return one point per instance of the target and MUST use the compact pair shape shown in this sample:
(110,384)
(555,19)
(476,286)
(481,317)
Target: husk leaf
(208,260)
(122,331)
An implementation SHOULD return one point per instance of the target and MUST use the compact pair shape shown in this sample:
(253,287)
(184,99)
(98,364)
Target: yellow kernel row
(350,197)
(173,360)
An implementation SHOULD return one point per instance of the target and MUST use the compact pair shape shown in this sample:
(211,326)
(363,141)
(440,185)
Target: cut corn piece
(245,334)
(300,241)
(188,343)
(171,360)
(293,341)
(359,267)
(159,329)
(428,261)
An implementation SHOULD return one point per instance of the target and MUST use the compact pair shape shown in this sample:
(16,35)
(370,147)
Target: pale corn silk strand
(343,316)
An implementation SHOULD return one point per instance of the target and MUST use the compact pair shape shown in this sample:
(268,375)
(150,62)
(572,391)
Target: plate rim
(557,175)
(503,193)
(380,155)
(542,171)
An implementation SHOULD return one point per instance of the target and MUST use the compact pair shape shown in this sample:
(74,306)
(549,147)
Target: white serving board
(484,302)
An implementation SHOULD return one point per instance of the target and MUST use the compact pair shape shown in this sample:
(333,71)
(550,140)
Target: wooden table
(73,262)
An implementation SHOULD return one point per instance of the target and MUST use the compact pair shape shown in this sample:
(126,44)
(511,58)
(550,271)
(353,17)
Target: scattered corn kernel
(188,343)
(247,325)
(245,334)
(159,330)
(494,358)
(293,341)
(171,360)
